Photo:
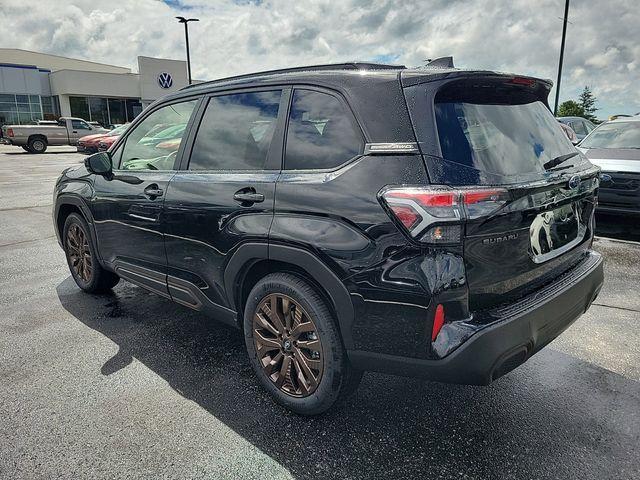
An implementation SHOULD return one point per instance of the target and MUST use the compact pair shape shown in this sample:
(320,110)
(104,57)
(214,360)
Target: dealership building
(38,86)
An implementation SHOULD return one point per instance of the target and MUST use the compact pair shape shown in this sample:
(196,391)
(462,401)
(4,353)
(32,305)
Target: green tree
(570,108)
(588,103)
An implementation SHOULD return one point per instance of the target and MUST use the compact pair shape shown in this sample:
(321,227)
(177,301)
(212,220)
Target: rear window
(501,134)
(614,135)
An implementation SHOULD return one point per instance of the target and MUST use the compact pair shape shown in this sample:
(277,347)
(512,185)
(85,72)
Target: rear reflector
(435,214)
(438,322)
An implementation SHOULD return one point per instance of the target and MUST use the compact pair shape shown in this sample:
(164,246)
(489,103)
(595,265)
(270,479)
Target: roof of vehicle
(342,71)
(625,120)
(373,90)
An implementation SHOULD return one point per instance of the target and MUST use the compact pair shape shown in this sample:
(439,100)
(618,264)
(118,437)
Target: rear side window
(321,133)
(236,132)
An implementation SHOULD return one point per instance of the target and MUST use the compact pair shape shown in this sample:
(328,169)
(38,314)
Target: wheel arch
(40,136)
(67,204)
(251,262)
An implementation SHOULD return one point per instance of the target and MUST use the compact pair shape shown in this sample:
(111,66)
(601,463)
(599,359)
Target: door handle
(153,191)
(248,196)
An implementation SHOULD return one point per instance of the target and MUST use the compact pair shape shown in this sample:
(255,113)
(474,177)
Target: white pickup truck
(36,138)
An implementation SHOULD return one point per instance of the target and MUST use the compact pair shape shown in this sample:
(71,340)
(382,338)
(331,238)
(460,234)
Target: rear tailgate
(496,131)
(540,233)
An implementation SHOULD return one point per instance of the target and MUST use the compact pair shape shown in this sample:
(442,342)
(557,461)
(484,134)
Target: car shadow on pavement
(621,227)
(554,416)
(48,152)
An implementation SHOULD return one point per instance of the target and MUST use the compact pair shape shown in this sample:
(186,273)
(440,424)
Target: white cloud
(603,42)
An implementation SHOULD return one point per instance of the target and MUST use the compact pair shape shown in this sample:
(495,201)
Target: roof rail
(327,66)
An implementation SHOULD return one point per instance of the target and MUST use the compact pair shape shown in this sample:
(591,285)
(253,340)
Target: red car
(91,143)
(106,142)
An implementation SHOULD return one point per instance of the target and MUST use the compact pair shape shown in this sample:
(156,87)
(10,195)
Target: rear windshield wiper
(558,160)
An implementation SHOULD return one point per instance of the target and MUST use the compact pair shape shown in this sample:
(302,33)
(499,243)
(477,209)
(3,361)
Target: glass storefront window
(8,118)
(134,107)
(50,109)
(8,107)
(24,118)
(117,111)
(106,111)
(79,107)
(98,110)
(20,109)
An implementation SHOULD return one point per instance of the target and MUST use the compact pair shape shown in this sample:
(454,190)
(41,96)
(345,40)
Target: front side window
(321,133)
(80,125)
(236,132)
(153,144)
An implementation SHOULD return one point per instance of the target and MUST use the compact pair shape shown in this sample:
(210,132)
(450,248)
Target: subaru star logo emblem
(165,80)
(574,182)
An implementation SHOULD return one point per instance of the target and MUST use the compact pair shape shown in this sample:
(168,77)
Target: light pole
(186,37)
(564,35)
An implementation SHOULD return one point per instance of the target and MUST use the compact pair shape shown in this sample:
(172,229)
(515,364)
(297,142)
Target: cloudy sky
(232,37)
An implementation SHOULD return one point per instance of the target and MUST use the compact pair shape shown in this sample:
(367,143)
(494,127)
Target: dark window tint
(236,132)
(321,133)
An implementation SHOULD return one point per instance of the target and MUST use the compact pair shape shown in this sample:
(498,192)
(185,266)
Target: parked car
(615,147)
(581,126)
(105,143)
(89,144)
(36,138)
(349,217)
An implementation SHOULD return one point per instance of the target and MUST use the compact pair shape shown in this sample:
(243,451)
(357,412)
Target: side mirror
(100,164)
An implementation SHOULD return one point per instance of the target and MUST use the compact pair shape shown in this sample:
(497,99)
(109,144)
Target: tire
(297,303)
(89,276)
(25,148)
(37,145)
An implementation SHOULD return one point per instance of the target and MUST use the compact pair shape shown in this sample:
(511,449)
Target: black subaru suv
(432,222)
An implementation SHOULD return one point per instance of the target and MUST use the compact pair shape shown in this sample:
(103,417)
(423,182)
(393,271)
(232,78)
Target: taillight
(436,214)
(10,132)
(529,82)
(438,322)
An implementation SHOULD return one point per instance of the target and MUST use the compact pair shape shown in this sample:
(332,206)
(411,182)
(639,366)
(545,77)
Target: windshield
(118,130)
(614,135)
(500,139)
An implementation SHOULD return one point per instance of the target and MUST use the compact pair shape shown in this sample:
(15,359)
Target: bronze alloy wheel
(79,253)
(288,345)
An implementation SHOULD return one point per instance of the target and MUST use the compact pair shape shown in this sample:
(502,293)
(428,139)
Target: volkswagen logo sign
(165,80)
(574,182)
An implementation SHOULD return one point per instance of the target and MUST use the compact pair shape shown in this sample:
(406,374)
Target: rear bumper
(522,330)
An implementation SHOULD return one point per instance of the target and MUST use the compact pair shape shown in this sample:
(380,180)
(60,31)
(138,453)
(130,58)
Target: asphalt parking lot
(129,385)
